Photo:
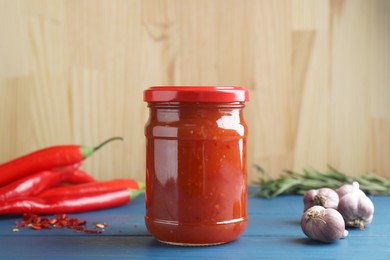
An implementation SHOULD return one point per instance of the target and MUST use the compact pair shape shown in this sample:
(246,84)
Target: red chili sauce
(196,188)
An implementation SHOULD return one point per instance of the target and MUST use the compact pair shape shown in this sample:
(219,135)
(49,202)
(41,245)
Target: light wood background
(74,71)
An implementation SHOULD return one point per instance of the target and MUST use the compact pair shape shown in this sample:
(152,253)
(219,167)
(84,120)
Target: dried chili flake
(36,219)
(53,221)
(27,217)
(36,227)
(37,222)
(45,224)
(61,216)
(20,224)
(79,229)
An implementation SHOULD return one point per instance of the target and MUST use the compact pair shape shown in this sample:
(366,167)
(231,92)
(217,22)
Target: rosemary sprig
(292,182)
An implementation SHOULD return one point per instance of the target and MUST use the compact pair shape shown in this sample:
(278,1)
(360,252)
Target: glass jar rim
(196,94)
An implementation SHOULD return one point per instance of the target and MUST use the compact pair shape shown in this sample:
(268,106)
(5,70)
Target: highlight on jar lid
(196,94)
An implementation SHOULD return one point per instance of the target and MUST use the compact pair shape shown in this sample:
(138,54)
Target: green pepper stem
(141,185)
(134,193)
(106,142)
(87,151)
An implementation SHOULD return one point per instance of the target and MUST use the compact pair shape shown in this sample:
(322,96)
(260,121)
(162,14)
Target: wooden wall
(318,72)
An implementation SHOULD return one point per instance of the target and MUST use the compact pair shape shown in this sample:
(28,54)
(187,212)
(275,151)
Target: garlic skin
(323,224)
(324,197)
(346,189)
(356,208)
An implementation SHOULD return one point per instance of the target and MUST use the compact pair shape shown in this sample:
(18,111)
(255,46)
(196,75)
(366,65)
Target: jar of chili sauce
(196,182)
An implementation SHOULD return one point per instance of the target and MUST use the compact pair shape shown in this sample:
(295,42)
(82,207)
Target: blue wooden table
(273,233)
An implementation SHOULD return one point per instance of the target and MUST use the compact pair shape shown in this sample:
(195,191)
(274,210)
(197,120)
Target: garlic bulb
(356,208)
(326,225)
(324,197)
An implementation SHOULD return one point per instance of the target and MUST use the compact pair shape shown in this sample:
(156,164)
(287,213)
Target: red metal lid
(196,94)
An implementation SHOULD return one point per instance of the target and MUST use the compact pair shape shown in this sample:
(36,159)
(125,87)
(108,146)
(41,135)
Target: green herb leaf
(292,182)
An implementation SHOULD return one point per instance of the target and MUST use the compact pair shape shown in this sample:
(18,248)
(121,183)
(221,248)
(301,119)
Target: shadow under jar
(196,183)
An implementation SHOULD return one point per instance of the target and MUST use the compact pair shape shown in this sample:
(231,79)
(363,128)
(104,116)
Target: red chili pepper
(68,204)
(46,159)
(78,176)
(34,184)
(99,186)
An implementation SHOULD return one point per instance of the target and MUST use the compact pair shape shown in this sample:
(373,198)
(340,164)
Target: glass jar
(196,182)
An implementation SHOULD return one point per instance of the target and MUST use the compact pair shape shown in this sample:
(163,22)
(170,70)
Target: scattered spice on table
(37,222)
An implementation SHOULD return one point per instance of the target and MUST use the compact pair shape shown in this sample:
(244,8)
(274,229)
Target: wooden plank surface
(273,232)
(318,73)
